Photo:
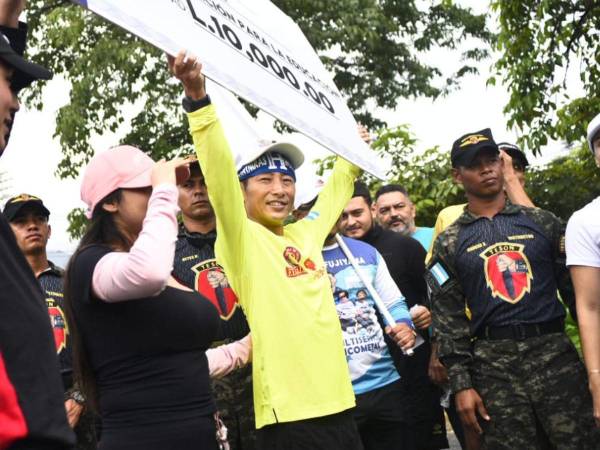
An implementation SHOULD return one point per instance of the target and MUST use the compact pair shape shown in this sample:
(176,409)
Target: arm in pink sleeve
(226,358)
(145,269)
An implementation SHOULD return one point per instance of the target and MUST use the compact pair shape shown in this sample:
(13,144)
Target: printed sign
(255,51)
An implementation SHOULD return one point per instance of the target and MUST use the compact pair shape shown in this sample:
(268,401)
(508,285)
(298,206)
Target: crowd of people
(203,310)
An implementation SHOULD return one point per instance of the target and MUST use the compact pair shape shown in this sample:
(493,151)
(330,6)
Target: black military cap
(514,152)
(26,72)
(466,148)
(14,205)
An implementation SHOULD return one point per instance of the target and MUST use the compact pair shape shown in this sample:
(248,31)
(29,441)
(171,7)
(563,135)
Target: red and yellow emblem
(213,284)
(293,257)
(58,321)
(507,271)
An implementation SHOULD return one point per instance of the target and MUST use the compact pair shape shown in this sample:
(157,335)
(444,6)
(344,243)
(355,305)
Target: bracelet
(592,371)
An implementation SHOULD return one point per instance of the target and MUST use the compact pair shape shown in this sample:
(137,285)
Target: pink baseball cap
(123,166)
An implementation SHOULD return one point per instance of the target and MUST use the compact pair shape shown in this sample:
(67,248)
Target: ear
(456,175)
(374,209)
(111,207)
(49,231)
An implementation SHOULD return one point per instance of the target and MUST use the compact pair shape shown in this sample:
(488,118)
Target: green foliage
(77,223)
(373,47)
(109,71)
(426,175)
(539,41)
(566,184)
(562,186)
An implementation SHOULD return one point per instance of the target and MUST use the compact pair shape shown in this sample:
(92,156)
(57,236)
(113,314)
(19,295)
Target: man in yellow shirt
(302,389)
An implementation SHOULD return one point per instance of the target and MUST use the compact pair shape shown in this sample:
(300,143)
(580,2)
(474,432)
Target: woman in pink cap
(139,336)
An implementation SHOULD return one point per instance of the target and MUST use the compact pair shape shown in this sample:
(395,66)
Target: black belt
(519,332)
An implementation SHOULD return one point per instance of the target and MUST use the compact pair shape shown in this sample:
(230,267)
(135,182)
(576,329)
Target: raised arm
(144,270)
(216,160)
(333,198)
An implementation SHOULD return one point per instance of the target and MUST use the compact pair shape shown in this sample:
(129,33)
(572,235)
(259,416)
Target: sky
(32,155)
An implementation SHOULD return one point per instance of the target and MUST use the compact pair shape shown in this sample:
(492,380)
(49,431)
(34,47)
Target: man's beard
(400,227)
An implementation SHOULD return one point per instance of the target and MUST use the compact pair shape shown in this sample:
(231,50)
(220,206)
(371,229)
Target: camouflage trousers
(233,394)
(536,392)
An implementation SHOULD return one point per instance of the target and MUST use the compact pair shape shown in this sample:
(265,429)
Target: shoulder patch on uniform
(439,273)
(312,215)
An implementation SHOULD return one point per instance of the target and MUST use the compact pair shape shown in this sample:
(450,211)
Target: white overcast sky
(32,155)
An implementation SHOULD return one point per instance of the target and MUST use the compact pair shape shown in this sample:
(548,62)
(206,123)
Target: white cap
(592,129)
(292,153)
(308,190)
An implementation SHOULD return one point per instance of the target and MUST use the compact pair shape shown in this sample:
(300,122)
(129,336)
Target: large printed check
(256,51)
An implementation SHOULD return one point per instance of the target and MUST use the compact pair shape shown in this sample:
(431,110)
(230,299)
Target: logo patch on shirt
(60,329)
(312,215)
(212,283)
(507,271)
(293,257)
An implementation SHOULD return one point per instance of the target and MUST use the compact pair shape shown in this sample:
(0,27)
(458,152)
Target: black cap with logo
(25,72)
(466,148)
(15,205)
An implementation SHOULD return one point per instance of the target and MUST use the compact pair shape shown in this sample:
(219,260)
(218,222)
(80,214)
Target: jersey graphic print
(212,282)
(369,360)
(59,324)
(507,271)
(363,336)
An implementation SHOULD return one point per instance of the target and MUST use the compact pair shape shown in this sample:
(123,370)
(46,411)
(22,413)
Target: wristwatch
(191,105)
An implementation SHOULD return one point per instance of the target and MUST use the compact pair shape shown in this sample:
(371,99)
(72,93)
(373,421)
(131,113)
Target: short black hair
(391,188)
(361,190)
(195,168)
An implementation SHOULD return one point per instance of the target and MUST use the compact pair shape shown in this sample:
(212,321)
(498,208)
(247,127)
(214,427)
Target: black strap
(518,332)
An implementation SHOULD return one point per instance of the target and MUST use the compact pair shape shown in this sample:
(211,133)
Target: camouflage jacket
(495,272)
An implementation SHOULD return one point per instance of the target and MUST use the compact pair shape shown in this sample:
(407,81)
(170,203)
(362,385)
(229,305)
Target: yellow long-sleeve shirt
(299,365)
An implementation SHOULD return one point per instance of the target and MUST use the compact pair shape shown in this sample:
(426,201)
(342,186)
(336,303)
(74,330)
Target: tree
(562,186)
(539,41)
(377,46)
(566,184)
(426,175)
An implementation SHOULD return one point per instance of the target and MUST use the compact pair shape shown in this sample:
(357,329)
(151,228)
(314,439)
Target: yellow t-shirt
(299,366)
(445,218)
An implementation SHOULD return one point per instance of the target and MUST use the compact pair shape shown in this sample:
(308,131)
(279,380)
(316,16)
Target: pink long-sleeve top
(224,359)
(145,270)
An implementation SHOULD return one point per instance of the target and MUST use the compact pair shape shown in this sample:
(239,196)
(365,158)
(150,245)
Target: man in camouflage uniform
(28,219)
(195,266)
(510,364)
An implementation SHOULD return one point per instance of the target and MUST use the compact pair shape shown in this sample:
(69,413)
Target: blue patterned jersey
(371,366)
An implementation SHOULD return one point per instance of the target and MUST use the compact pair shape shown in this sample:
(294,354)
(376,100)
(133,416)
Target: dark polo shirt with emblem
(195,266)
(506,270)
(505,267)
(51,281)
